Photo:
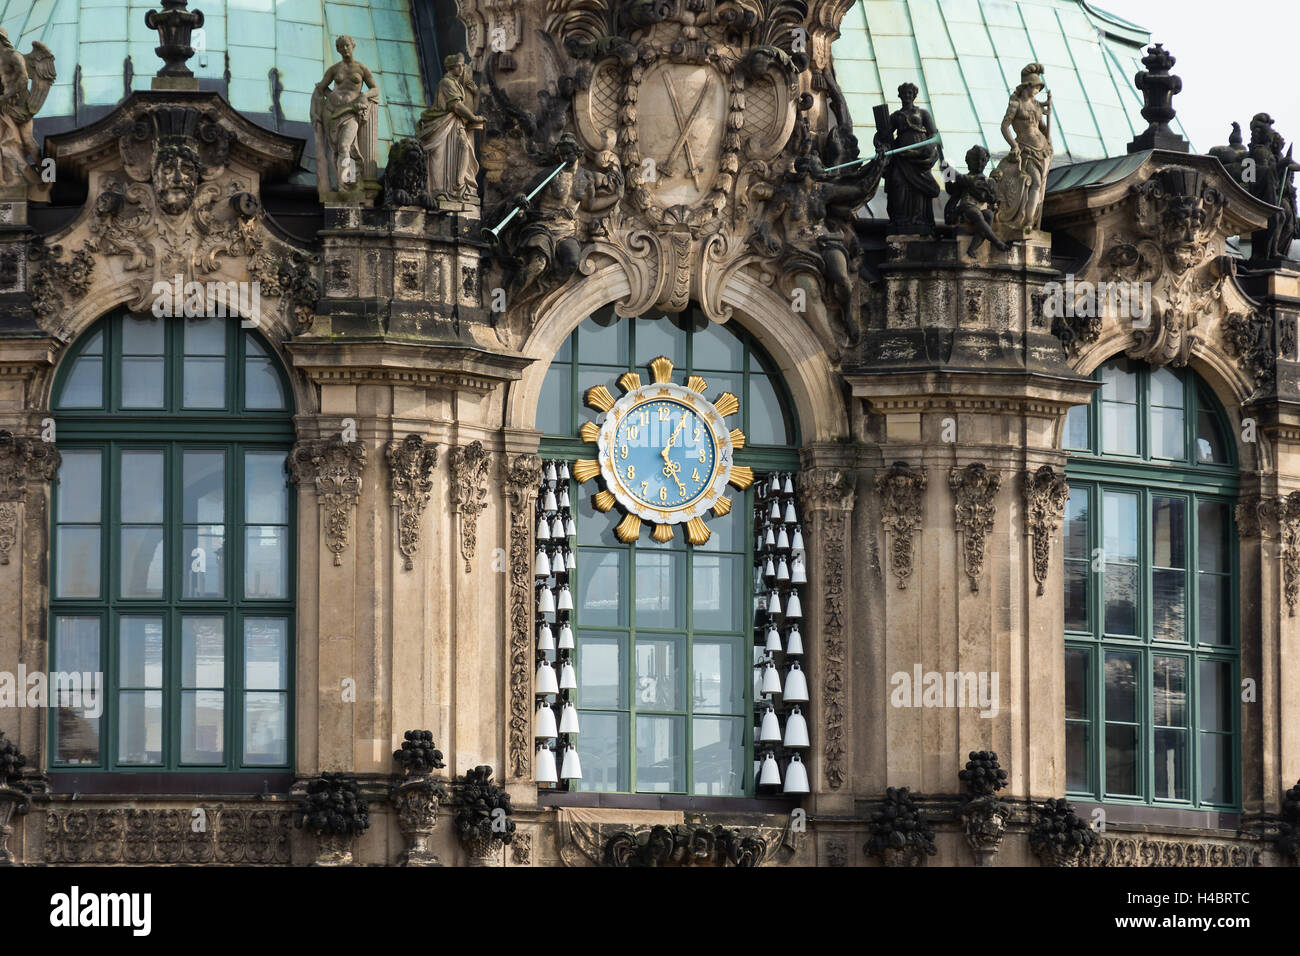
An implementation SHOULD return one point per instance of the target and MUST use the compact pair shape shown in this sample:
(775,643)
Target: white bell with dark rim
(782,571)
(783,540)
(794,643)
(770,730)
(546,680)
(551,474)
(798,571)
(549,503)
(793,609)
(543,529)
(569,677)
(542,566)
(545,602)
(566,637)
(545,639)
(564,602)
(790,516)
(571,769)
(796,776)
(773,602)
(771,774)
(773,645)
(796,730)
(569,719)
(545,723)
(797,543)
(771,679)
(789,485)
(796,685)
(545,764)
(557,527)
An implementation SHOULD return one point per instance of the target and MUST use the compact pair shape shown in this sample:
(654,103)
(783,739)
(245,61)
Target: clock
(664,453)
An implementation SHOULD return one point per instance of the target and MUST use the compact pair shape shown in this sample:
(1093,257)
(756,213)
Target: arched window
(666,647)
(1151,624)
(172,569)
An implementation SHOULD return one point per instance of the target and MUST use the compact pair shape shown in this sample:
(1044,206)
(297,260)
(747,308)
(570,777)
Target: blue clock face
(664,454)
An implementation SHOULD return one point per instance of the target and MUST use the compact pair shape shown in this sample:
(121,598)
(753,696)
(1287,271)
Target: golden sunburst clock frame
(722,441)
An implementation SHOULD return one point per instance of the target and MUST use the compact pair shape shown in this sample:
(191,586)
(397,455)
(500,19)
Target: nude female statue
(1022,174)
(338,116)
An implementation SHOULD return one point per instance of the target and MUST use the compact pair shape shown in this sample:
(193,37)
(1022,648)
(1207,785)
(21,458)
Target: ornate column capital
(410,460)
(21,459)
(1258,515)
(901,489)
(1046,493)
(827,489)
(522,475)
(333,468)
(469,474)
(974,489)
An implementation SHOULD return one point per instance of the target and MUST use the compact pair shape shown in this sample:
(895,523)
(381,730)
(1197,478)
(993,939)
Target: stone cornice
(402,363)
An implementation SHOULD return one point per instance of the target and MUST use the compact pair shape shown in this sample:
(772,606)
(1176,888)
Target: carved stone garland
(522,479)
(828,500)
(469,471)
(20,459)
(900,489)
(974,489)
(1289,526)
(334,467)
(411,459)
(1045,496)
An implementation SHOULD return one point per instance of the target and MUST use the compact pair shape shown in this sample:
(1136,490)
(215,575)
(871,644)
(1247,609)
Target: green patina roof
(294,36)
(966,57)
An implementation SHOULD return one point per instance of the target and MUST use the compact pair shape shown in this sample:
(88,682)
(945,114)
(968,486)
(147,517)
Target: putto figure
(445,131)
(910,186)
(343,118)
(1021,176)
(19,104)
(972,202)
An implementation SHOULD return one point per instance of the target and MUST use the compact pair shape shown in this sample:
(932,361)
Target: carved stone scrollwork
(232,836)
(684,845)
(411,459)
(521,480)
(1046,493)
(1249,338)
(1257,515)
(334,468)
(1137,851)
(974,489)
(901,489)
(469,473)
(52,281)
(1289,528)
(828,499)
(20,459)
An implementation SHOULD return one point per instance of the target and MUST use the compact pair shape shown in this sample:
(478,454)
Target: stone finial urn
(1059,837)
(483,821)
(14,796)
(334,810)
(417,796)
(983,816)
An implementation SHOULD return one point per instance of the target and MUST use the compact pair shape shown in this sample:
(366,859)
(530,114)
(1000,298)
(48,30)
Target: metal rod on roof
(515,211)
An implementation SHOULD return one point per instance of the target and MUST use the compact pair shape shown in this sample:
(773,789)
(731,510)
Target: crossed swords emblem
(693,169)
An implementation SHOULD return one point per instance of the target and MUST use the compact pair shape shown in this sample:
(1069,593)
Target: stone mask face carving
(175,178)
(1182,232)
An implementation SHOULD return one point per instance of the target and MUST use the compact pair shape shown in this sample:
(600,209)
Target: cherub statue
(19,105)
(339,116)
(972,202)
(1020,178)
(445,130)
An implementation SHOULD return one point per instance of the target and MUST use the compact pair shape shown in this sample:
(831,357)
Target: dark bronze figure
(972,202)
(910,187)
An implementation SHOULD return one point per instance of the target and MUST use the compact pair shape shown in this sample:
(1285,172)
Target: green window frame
(638,632)
(1152,638)
(173,566)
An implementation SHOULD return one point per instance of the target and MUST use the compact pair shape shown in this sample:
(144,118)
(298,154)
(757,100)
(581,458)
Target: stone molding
(230,835)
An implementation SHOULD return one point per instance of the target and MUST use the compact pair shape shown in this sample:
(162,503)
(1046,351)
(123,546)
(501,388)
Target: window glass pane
(142,487)
(204,382)
(262,388)
(1169,691)
(605,747)
(1121,759)
(1210,446)
(715,597)
(716,677)
(142,382)
(1076,683)
(76,651)
(660,753)
(1120,587)
(658,589)
(77,575)
(603,339)
(266,728)
(204,497)
(1076,428)
(595,527)
(142,335)
(1120,518)
(266,661)
(140,651)
(203,652)
(716,347)
(726,534)
(204,551)
(79,487)
(1077,580)
(600,671)
(766,421)
(205,337)
(1216,696)
(1166,388)
(84,386)
(1119,429)
(1212,536)
(1121,687)
(1169,754)
(1214,604)
(601,598)
(1078,777)
(266,490)
(203,721)
(654,337)
(266,563)
(1167,436)
(660,667)
(1169,600)
(555,407)
(718,748)
(1118,384)
(139,730)
(142,561)
(1216,768)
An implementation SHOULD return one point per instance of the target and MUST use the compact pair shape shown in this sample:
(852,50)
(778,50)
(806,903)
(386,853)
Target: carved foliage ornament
(1045,496)
(684,845)
(521,485)
(901,489)
(20,459)
(410,461)
(334,468)
(1249,339)
(469,474)
(232,836)
(1289,529)
(53,281)
(974,489)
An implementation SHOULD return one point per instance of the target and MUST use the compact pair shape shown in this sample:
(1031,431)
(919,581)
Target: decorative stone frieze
(901,489)
(410,460)
(21,459)
(974,489)
(521,482)
(469,488)
(231,835)
(1289,532)
(333,467)
(684,845)
(1143,851)
(1046,493)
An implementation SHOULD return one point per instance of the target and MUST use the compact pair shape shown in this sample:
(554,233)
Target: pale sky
(1236,59)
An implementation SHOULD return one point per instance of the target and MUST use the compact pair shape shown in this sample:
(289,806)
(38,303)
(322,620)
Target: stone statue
(445,132)
(910,187)
(548,238)
(343,118)
(1266,172)
(19,104)
(972,202)
(1020,178)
